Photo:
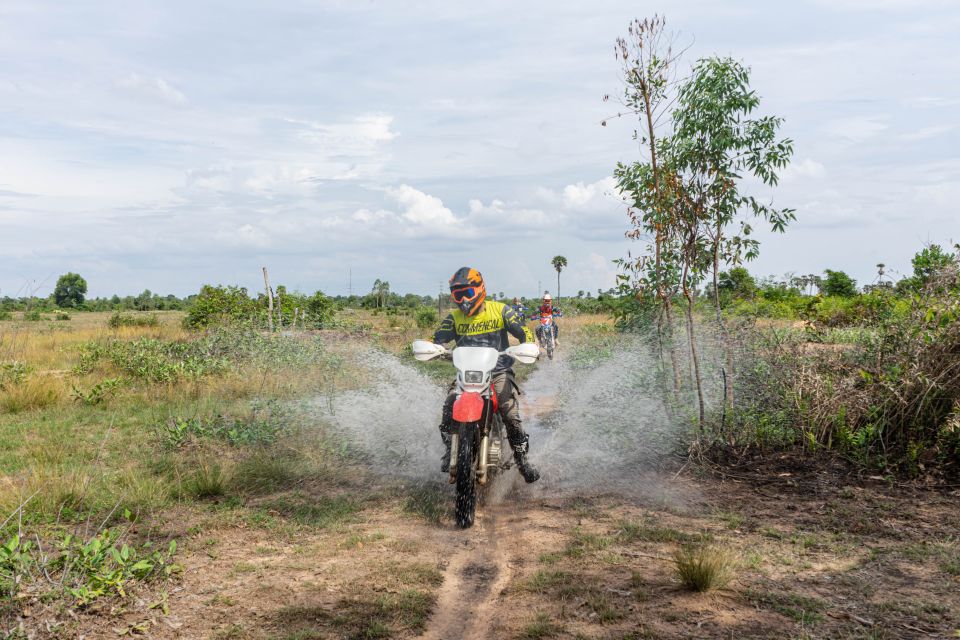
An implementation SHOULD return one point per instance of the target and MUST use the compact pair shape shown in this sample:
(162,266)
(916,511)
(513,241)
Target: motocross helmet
(467,290)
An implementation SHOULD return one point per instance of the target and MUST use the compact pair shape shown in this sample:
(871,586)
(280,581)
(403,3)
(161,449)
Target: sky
(164,145)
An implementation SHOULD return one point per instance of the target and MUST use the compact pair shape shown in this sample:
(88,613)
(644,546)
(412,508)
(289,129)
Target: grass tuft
(540,627)
(703,568)
(36,392)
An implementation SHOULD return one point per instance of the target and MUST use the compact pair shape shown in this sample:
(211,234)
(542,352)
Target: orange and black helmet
(467,290)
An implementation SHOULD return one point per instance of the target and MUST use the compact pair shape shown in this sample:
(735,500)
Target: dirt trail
(488,555)
(474,579)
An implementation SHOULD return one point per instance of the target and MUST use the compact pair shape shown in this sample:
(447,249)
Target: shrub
(426,317)
(320,310)
(118,320)
(61,315)
(151,359)
(221,305)
(838,283)
(887,397)
(32,315)
(12,373)
(98,392)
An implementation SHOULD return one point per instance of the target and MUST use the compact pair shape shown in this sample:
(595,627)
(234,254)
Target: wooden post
(279,311)
(266,283)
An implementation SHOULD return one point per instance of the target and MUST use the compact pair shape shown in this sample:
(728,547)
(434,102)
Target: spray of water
(594,429)
(607,429)
(392,423)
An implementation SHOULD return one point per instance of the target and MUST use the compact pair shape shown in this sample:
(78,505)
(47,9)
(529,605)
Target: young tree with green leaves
(70,291)
(714,146)
(647,60)
(688,195)
(838,283)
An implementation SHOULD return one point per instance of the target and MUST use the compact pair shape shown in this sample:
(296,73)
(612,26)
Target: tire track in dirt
(475,577)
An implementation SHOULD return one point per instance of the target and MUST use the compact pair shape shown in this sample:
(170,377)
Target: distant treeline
(585,302)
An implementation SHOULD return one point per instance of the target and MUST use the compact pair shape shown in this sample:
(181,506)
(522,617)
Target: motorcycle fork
(483,459)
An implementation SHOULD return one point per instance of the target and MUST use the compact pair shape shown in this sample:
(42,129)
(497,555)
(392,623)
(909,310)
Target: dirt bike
(545,335)
(479,448)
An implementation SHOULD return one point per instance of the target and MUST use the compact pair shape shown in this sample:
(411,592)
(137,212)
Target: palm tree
(558,262)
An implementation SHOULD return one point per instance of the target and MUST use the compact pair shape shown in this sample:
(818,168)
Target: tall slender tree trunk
(558,287)
(671,343)
(724,334)
(658,242)
(694,356)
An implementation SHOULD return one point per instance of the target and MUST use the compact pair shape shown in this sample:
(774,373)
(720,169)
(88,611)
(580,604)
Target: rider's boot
(445,460)
(526,468)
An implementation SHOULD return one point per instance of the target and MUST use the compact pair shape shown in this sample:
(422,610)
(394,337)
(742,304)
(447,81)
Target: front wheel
(466,505)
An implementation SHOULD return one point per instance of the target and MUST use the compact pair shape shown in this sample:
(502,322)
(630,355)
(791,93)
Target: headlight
(473,377)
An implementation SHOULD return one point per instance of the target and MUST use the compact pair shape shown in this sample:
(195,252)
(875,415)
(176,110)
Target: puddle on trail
(592,430)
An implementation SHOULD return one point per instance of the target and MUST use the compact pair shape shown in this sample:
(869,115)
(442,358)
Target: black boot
(445,460)
(526,469)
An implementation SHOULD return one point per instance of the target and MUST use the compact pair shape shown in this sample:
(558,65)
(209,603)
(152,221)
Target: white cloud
(580,195)
(925,133)
(420,208)
(803,169)
(152,87)
(857,129)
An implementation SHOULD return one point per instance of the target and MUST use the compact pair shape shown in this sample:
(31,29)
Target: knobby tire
(466,505)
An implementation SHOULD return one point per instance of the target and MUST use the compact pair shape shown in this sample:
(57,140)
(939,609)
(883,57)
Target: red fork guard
(468,407)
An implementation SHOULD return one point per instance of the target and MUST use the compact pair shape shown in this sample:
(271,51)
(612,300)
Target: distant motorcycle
(479,447)
(545,335)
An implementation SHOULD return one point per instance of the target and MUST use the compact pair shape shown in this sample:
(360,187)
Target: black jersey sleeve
(447,332)
(516,328)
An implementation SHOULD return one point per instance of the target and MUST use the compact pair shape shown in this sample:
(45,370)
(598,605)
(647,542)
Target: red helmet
(467,290)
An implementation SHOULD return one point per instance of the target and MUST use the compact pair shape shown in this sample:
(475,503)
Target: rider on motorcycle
(547,310)
(478,322)
(520,310)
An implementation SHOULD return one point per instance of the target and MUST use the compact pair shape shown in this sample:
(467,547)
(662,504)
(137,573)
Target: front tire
(466,504)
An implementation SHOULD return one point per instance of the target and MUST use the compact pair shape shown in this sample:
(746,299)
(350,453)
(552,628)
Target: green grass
(542,626)
(802,609)
(556,583)
(583,543)
(317,512)
(631,531)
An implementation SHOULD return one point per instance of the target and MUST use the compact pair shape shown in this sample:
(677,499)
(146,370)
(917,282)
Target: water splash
(594,429)
(393,422)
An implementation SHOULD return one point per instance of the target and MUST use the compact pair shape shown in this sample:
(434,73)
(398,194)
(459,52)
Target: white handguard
(527,352)
(426,350)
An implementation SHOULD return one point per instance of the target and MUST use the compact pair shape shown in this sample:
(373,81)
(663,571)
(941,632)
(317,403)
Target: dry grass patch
(36,392)
(705,567)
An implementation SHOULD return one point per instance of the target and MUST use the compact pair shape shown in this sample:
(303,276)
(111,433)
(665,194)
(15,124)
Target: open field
(297,475)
